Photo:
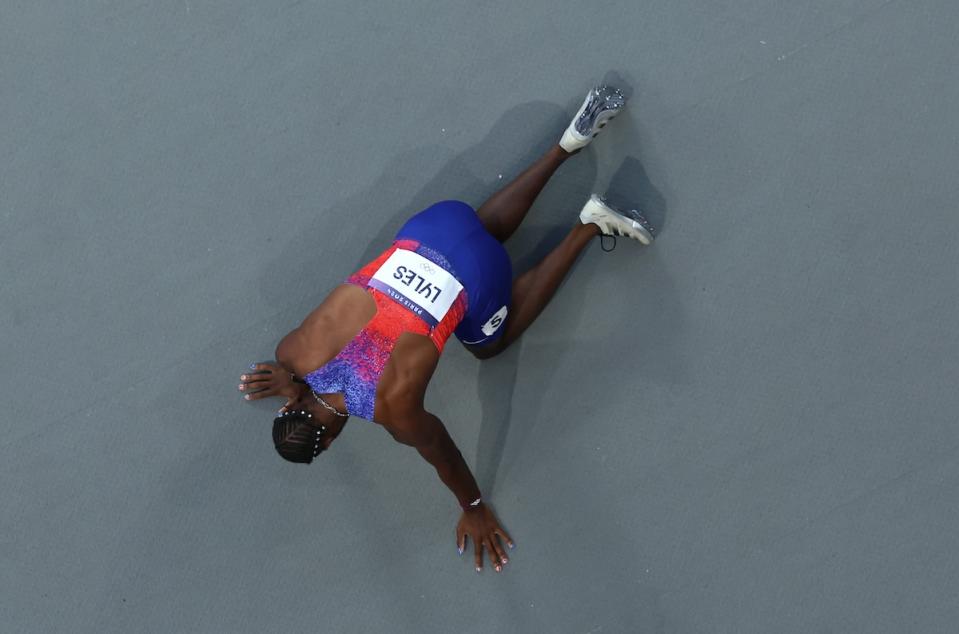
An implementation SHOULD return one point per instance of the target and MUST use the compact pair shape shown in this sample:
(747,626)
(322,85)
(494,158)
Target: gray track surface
(749,427)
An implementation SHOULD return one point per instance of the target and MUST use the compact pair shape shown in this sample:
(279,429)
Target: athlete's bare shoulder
(347,303)
(327,329)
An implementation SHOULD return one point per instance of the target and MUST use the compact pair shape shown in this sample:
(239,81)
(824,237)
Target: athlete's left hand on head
(268,379)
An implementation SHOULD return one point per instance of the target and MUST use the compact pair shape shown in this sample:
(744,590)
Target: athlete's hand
(483,528)
(269,379)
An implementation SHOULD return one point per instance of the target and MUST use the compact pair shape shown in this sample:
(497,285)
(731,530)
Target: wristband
(472,504)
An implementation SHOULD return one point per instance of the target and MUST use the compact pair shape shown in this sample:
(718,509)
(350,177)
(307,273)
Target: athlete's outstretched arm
(428,435)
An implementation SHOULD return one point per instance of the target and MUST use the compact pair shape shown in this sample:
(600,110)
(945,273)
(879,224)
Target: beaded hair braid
(296,437)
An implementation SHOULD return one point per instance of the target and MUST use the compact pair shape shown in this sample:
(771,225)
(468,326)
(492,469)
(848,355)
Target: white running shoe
(602,104)
(615,222)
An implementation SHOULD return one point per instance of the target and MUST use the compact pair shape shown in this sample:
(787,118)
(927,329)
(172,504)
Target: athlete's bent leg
(533,289)
(505,209)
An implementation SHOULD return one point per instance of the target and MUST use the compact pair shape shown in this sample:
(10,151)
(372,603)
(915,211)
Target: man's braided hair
(297,437)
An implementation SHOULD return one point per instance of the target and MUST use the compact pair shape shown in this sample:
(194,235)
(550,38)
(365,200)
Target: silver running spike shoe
(601,105)
(616,222)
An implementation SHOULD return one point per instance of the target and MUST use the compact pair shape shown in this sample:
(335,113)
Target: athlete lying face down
(370,349)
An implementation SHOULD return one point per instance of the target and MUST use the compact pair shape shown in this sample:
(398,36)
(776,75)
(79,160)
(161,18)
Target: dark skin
(401,390)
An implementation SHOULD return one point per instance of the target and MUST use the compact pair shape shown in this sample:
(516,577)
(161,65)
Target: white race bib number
(495,322)
(424,287)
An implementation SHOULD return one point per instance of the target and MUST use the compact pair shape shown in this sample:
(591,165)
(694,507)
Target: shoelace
(613,235)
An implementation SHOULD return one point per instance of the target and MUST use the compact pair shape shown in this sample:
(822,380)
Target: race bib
(424,287)
(495,321)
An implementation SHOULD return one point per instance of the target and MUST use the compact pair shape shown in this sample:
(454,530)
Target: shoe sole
(603,117)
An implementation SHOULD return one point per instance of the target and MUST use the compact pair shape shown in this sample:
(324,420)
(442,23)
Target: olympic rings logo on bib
(418,284)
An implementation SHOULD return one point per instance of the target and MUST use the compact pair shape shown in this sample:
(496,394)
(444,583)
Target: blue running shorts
(476,259)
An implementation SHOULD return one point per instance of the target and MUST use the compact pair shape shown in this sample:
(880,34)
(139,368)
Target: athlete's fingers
(478,545)
(289,403)
(255,396)
(497,551)
(262,367)
(491,551)
(257,376)
(251,382)
(460,540)
(505,535)
(257,386)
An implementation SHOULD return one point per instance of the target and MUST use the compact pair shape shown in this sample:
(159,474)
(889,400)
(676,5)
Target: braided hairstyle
(297,437)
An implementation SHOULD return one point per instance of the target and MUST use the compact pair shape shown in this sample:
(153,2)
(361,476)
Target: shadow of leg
(630,188)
